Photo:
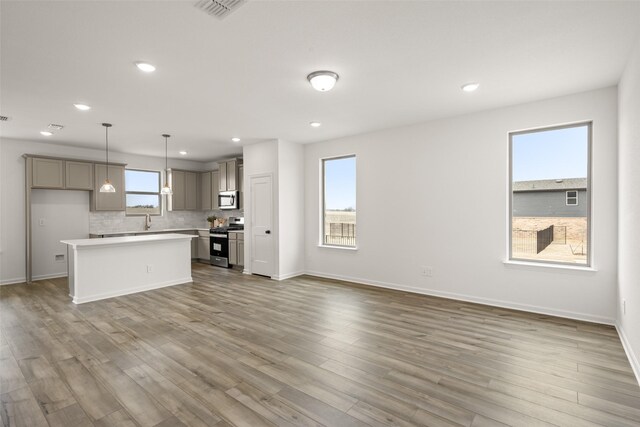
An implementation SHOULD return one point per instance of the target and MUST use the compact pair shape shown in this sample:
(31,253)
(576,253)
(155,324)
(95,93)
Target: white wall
(291,209)
(56,215)
(435,194)
(12,193)
(260,159)
(629,209)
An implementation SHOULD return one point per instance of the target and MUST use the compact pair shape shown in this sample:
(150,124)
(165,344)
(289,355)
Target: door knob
(267,232)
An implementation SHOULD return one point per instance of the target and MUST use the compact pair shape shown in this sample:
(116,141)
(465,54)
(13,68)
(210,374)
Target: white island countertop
(125,240)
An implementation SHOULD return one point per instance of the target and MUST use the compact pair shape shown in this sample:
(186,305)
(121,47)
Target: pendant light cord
(107,138)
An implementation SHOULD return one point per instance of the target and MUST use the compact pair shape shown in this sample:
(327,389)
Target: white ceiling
(399,63)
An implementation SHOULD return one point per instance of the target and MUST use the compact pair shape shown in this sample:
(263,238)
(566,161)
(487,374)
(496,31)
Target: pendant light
(166,189)
(107,187)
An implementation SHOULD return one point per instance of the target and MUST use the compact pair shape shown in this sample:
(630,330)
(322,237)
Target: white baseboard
(470,298)
(129,291)
(34,278)
(288,275)
(49,276)
(633,359)
(13,281)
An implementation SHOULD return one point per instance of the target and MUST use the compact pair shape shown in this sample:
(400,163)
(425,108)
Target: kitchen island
(105,268)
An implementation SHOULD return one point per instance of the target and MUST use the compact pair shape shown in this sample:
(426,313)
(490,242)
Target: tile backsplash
(112,222)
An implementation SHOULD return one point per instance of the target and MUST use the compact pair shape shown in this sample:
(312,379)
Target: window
(550,171)
(339,201)
(142,192)
(572,198)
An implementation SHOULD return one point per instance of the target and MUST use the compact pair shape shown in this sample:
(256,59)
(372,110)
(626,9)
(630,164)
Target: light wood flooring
(232,349)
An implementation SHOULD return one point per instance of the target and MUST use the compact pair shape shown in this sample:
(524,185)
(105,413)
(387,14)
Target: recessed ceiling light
(235,139)
(82,107)
(323,81)
(46,133)
(183,153)
(315,124)
(470,87)
(146,67)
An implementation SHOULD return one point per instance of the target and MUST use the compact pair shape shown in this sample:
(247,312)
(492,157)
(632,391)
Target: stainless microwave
(228,200)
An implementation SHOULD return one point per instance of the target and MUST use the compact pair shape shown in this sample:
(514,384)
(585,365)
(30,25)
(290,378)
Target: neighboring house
(550,198)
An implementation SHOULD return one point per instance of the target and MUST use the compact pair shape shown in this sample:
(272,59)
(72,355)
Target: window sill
(549,265)
(344,248)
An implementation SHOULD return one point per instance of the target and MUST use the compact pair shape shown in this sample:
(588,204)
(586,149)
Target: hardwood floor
(232,349)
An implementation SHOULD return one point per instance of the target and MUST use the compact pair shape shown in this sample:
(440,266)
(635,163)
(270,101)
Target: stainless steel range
(219,241)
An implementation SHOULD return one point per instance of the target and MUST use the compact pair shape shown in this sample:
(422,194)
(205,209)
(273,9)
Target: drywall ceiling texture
(629,209)
(12,194)
(399,63)
(436,194)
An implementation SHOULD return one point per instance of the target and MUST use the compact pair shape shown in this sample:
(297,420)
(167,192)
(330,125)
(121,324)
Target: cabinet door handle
(267,232)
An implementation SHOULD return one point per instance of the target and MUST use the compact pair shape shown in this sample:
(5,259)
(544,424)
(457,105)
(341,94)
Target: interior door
(262,258)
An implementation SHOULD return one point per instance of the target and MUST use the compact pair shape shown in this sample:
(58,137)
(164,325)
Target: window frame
(589,198)
(323,202)
(567,198)
(143,193)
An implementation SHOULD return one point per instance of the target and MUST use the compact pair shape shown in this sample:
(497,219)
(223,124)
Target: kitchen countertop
(125,239)
(151,231)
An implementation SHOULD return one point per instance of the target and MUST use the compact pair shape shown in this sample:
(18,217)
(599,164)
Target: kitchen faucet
(147,222)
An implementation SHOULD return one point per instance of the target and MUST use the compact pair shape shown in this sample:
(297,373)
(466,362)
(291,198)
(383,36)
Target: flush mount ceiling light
(166,189)
(145,66)
(235,139)
(46,133)
(323,81)
(107,187)
(82,107)
(315,124)
(183,153)
(470,87)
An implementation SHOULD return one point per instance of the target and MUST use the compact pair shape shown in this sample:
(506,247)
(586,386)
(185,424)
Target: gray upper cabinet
(205,191)
(222,177)
(191,191)
(47,173)
(108,201)
(78,175)
(229,175)
(178,196)
(185,187)
(215,185)
(232,175)
(241,185)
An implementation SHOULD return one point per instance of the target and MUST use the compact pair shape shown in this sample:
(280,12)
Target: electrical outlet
(149,268)
(426,271)
(41,222)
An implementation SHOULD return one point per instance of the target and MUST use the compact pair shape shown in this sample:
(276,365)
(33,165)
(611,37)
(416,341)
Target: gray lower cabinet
(203,248)
(240,252)
(78,175)
(47,173)
(108,201)
(236,248)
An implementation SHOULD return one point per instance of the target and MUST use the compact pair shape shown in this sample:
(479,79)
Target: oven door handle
(219,236)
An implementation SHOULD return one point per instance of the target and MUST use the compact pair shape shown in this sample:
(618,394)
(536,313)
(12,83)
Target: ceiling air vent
(219,8)
(55,127)
(4,119)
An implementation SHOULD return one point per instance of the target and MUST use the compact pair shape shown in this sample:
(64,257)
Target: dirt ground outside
(574,249)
